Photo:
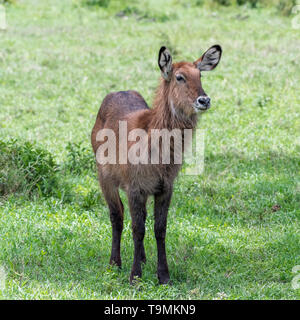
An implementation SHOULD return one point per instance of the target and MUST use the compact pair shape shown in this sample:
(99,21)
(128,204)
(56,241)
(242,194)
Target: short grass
(233,232)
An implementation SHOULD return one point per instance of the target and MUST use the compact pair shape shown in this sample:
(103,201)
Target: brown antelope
(179,100)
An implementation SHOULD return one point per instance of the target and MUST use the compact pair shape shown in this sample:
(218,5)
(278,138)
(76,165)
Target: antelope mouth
(201,108)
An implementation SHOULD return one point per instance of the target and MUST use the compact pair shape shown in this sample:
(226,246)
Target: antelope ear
(165,63)
(210,58)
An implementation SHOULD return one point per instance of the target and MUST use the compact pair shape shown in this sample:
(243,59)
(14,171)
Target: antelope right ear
(210,58)
(165,63)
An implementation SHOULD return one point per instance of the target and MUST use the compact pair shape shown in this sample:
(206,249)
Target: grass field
(233,232)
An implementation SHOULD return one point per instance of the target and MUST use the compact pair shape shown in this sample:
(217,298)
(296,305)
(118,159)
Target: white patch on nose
(202,105)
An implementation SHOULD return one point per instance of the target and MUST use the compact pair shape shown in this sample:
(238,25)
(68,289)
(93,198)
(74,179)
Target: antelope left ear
(210,58)
(165,63)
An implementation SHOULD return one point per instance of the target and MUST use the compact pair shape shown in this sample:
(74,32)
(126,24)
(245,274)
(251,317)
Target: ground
(233,231)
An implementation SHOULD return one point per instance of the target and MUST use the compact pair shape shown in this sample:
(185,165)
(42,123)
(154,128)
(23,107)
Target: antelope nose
(203,102)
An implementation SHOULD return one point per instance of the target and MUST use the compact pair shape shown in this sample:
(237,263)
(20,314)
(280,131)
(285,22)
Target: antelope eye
(180,78)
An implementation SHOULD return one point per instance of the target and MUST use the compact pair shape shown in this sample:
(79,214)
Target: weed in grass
(100,3)
(25,168)
(80,158)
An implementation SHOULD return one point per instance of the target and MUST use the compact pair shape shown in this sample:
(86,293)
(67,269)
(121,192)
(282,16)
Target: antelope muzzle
(202,103)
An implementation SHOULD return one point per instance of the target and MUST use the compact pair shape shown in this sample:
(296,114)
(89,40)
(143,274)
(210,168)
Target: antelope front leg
(162,202)
(137,204)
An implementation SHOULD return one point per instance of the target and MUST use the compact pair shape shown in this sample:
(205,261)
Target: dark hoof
(164,278)
(115,262)
(165,281)
(134,277)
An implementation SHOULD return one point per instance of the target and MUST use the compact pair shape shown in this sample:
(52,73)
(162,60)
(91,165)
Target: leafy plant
(26,168)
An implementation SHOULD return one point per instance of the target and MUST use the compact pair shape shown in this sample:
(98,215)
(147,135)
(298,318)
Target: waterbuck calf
(179,100)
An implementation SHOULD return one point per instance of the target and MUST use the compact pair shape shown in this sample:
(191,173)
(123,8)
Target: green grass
(226,238)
